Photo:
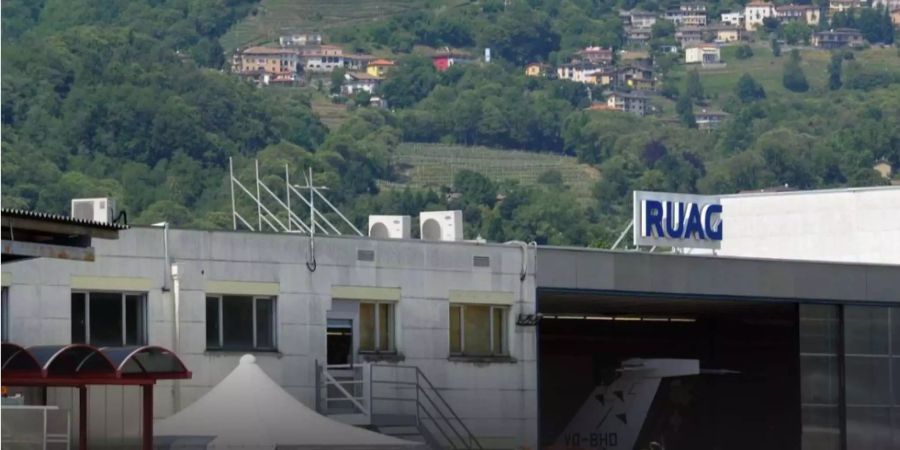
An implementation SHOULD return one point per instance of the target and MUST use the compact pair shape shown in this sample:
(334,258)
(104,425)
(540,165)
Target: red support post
(82,417)
(147,417)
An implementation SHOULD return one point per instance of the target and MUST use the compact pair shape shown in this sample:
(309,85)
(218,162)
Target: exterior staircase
(394,400)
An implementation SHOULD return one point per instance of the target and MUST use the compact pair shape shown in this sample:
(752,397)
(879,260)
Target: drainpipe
(176,300)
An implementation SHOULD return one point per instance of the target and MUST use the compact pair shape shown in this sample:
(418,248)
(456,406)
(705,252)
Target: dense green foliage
(110,101)
(125,100)
(874,23)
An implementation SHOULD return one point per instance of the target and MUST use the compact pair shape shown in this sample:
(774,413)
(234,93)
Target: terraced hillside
(427,165)
(275,17)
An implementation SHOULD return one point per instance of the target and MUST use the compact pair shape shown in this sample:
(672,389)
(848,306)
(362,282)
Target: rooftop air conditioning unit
(389,227)
(441,225)
(94,209)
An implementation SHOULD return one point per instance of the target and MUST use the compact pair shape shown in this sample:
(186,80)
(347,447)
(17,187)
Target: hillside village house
(594,55)
(708,120)
(379,67)
(836,6)
(536,69)
(273,64)
(637,37)
(726,33)
(636,76)
(703,54)
(841,37)
(687,35)
(808,14)
(585,73)
(687,15)
(300,40)
(640,19)
(631,102)
(895,17)
(322,58)
(755,12)
(443,60)
(355,82)
(733,18)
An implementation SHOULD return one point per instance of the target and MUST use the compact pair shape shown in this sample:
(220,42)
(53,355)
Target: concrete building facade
(295,297)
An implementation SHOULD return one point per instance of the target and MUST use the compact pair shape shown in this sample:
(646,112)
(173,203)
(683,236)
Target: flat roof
(582,269)
(813,191)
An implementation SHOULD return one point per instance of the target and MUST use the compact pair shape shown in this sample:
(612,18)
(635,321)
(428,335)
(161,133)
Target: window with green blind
(376,327)
(478,330)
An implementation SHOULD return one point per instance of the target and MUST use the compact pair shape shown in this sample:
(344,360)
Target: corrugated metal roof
(21,213)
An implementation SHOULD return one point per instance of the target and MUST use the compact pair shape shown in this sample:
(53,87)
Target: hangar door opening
(667,373)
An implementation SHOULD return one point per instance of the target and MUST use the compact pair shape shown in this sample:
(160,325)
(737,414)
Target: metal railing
(35,427)
(387,394)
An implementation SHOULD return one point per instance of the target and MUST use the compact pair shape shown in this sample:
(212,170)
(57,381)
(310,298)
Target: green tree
(412,80)
(693,86)
(834,71)
(748,90)
(337,80)
(776,47)
(475,187)
(685,109)
(793,78)
(796,32)
(744,51)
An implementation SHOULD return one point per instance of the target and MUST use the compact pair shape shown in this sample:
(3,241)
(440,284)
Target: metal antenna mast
(286,220)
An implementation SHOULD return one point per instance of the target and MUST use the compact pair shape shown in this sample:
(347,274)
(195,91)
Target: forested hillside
(130,100)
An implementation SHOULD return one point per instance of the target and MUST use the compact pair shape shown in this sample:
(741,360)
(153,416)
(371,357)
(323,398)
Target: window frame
(143,337)
(504,344)
(254,323)
(376,338)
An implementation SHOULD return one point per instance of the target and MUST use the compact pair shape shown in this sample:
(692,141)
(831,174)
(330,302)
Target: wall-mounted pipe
(176,308)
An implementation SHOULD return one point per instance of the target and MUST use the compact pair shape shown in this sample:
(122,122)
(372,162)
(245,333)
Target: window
(109,318)
(4,314)
(235,322)
(376,327)
(867,362)
(478,330)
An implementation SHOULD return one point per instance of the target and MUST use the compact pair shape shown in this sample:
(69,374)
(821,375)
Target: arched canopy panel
(147,361)
(16,359)
(73,360)
(81,364)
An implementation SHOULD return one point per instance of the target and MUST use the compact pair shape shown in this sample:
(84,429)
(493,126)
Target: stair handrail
(466,436)
(446,420)
(471,437)
(443,433)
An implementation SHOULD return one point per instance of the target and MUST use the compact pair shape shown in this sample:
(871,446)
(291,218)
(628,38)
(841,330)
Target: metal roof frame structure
(30,234)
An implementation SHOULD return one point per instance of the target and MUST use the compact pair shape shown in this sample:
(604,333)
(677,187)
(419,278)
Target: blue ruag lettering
(674,219)
(711,226)
(653,218)
(694,224)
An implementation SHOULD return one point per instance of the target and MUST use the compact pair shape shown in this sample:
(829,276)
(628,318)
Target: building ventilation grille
(365,255)
(481,261)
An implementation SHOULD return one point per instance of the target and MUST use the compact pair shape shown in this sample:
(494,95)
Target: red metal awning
(81,364)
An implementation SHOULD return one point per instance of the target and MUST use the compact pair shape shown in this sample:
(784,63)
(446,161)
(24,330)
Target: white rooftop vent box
(389,227)
(94,209)
(441,225)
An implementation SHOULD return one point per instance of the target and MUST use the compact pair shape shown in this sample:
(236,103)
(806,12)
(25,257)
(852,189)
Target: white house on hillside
(703,54)
(755,12)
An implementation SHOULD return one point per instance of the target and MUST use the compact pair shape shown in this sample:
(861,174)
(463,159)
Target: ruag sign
(677,220)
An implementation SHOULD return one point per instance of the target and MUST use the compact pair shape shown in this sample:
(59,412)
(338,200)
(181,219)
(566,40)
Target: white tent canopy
(248,410)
